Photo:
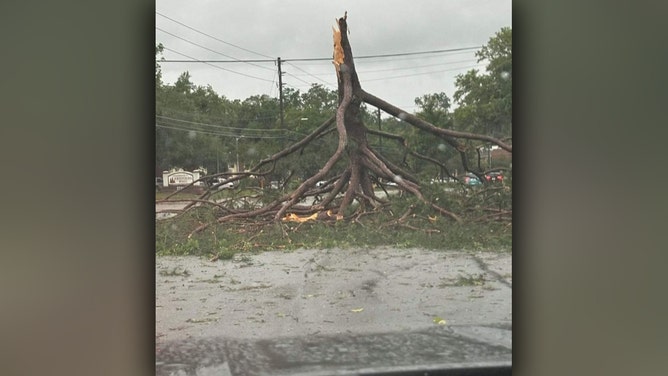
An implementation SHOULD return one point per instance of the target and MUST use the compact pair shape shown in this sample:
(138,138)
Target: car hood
(448,350)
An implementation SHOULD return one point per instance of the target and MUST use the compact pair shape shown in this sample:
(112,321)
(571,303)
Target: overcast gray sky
(295,29)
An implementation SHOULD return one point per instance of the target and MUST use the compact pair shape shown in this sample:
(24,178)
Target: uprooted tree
(350,193)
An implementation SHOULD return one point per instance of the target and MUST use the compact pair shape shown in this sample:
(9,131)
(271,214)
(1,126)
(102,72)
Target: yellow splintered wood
(338,49)
(328,215)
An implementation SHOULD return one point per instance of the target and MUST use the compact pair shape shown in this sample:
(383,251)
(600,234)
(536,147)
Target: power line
(208,49)
(219,126)
(186,125)
(274,84)
(329,58)
(412,67)
(220,61)
(420,74)
(312,59)
(297,78)
(420,53)
(455,50)
(238,119)
(215,66)
(417,66)
(415,74)
(309,74)
(223,134)
(394,54)
(210,36)
(381,61)
(226,131)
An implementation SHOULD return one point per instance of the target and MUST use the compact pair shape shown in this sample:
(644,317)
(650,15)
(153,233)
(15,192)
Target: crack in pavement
(483,265)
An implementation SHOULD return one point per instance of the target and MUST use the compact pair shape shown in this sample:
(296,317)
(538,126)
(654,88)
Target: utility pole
(380,138)
(237,138)
(280,90)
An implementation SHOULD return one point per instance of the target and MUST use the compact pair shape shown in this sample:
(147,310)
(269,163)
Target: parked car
(226,185)
(494,176)
(471,179)
(442,181)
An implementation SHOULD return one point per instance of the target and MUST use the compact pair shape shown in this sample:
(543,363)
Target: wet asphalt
(336,311)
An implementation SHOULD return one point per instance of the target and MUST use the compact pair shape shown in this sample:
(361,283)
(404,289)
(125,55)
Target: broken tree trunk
(353,133)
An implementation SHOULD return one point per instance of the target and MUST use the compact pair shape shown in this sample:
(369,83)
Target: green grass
(419,230)
(161,195)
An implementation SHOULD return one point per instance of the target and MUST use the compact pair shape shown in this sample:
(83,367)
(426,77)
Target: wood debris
(328,215)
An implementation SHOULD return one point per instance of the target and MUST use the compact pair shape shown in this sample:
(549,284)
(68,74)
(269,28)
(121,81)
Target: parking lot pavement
(331,296)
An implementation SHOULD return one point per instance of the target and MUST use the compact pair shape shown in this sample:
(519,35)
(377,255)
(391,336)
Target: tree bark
(348,119)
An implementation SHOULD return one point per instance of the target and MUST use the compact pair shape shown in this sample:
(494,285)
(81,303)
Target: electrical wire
(216,52)
(402,54)
(274,84)
(212,37)
(215,66)
(394,56)
(222,134)
(297,78)
(421,74)
(225,118)
(218,126)
(412,67)
(309,74)
(449,50)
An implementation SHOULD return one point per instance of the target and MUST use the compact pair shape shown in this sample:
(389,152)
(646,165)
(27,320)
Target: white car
(226,185)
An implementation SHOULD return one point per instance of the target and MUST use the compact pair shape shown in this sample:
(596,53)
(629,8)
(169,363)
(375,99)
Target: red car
(494,176)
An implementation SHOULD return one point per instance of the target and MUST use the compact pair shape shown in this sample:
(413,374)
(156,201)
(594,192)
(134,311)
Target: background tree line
(196,127)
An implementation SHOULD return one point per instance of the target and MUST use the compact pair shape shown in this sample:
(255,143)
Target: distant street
(167,209)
